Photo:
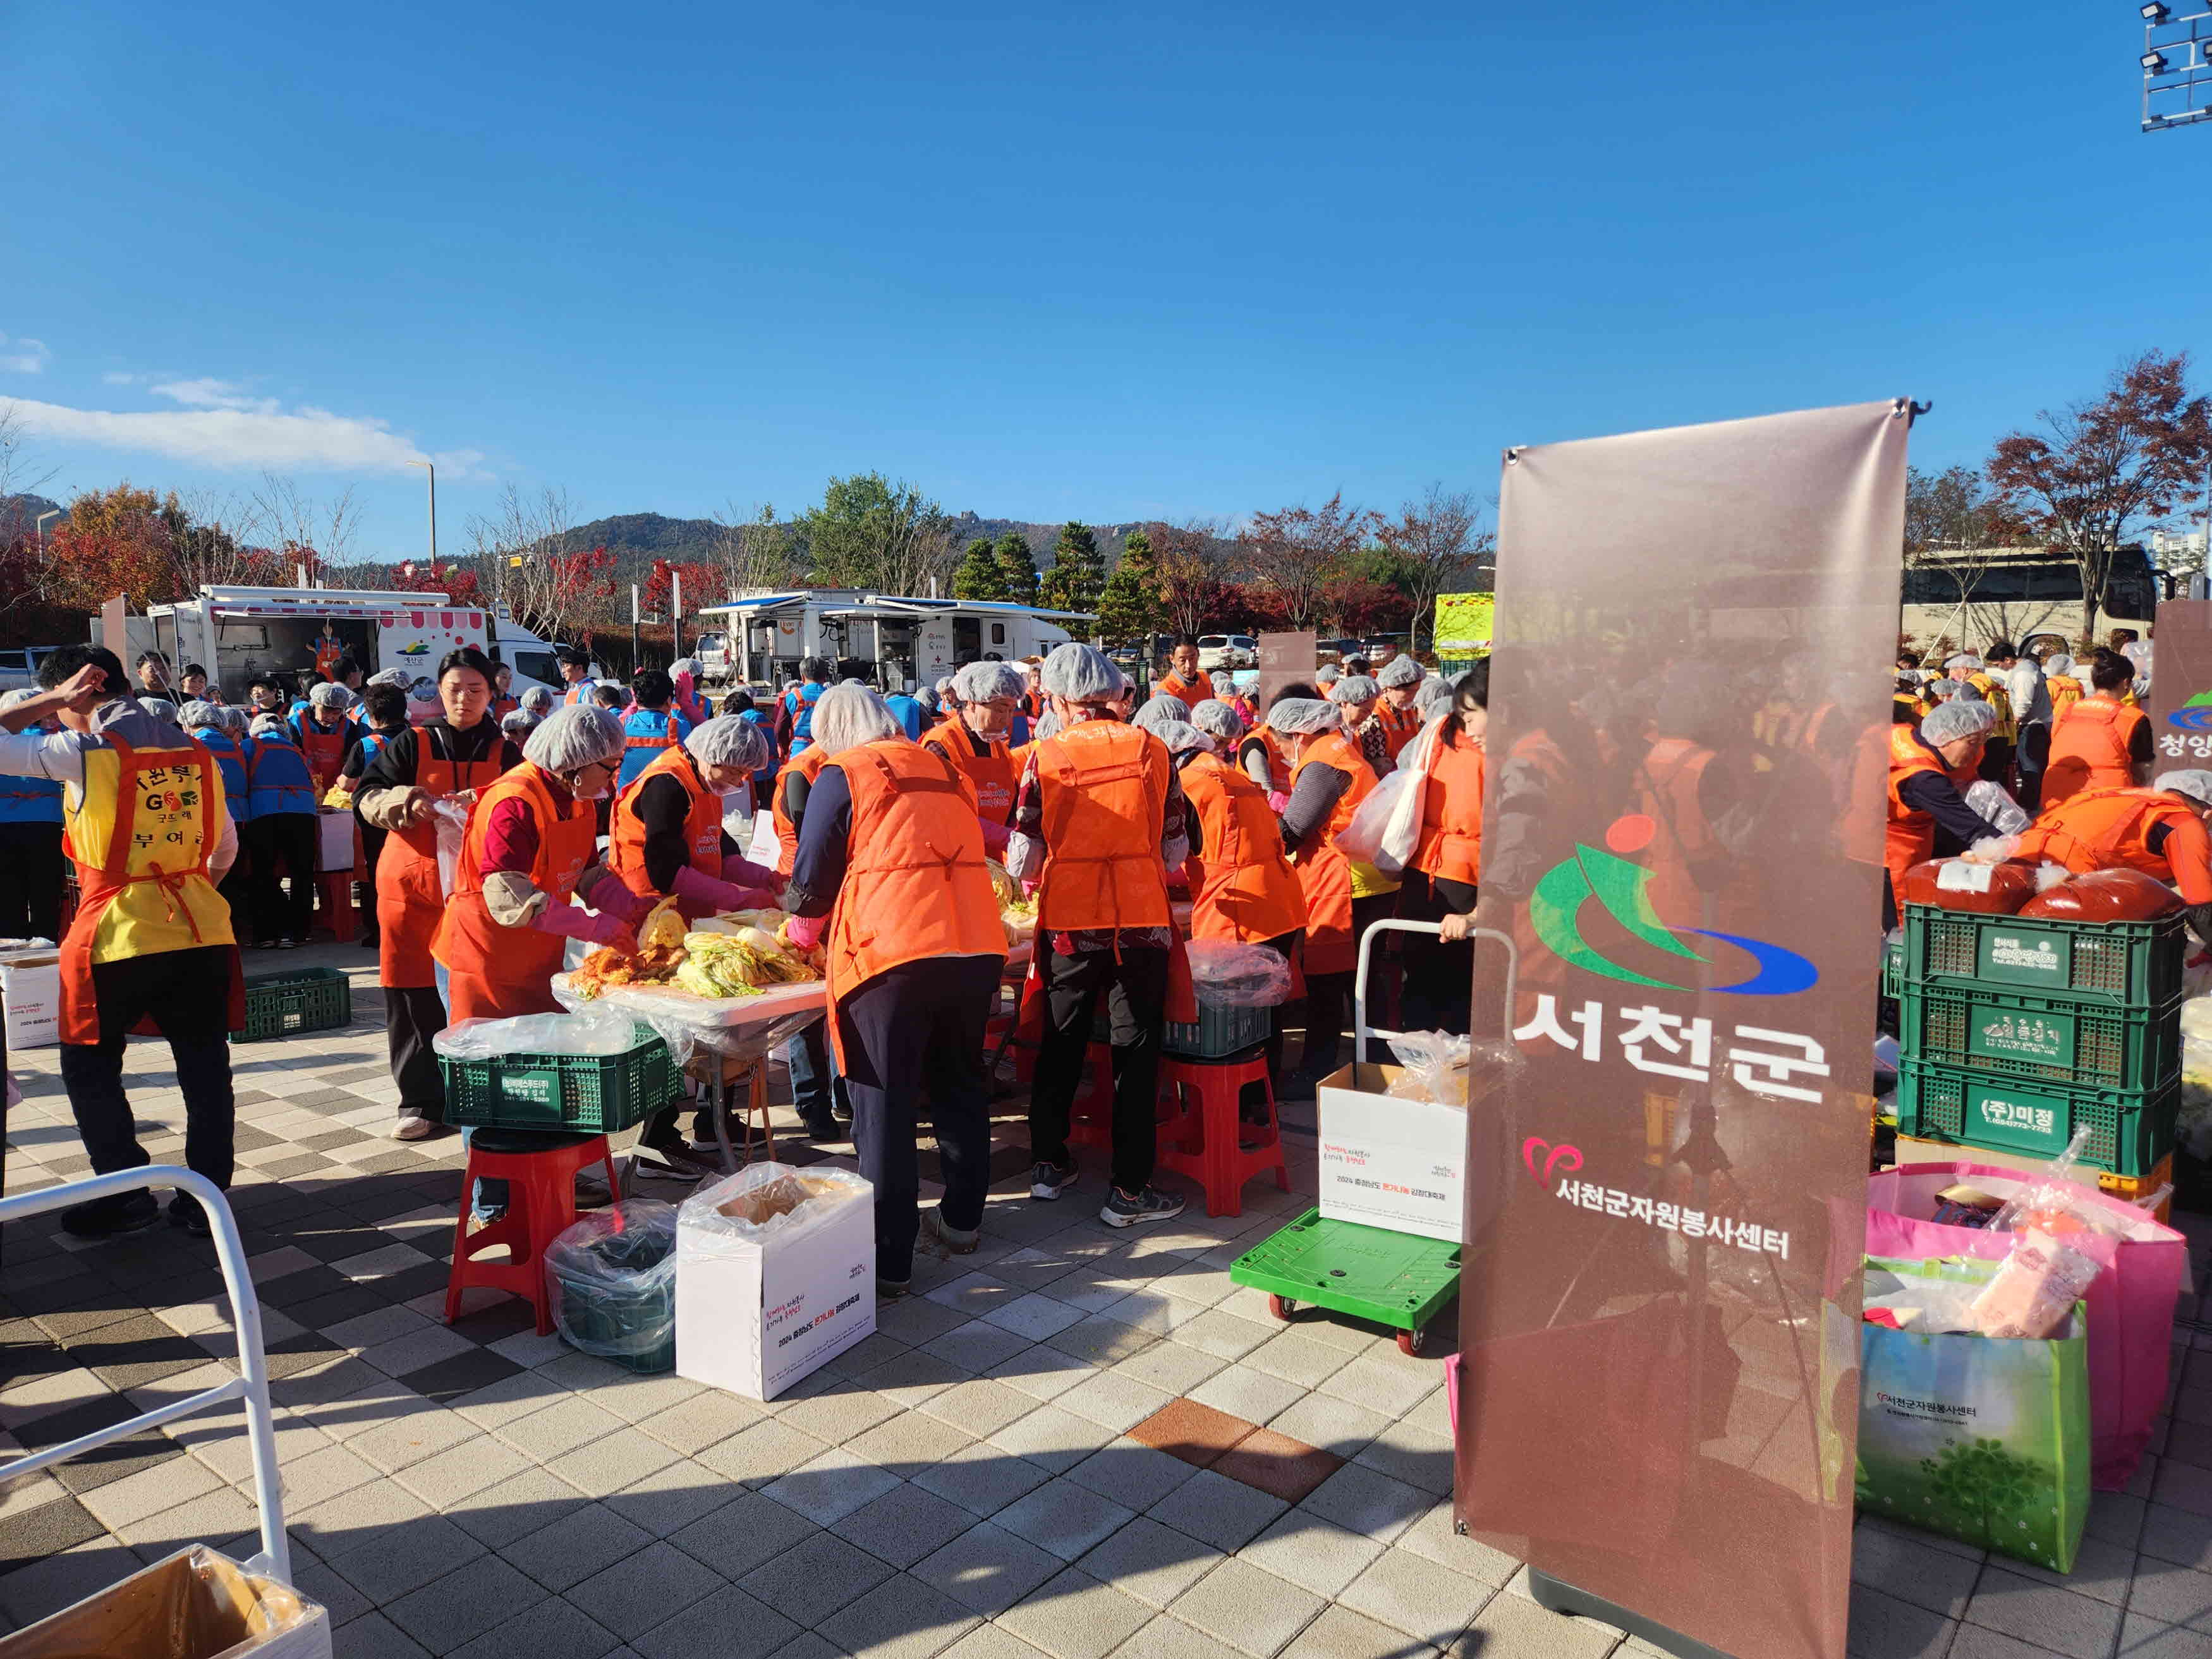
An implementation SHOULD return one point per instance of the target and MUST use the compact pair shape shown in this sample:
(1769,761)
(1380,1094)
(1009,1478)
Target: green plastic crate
(2083,1045)
(581,1094)
(2126,964)
(1399,1280)
(1892,968)
(2129,1130)
(304,1000)
(1217,1034)
(636,1319)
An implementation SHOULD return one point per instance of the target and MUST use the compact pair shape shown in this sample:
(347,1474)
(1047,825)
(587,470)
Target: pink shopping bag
(2131,1302)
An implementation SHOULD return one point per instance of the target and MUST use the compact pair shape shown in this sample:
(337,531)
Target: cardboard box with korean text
(195,1604)
(775,1275)
(30,986)
(1390,1162)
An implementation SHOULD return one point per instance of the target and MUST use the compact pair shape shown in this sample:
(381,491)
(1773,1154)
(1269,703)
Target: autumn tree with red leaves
(1300,552)
(2101,471)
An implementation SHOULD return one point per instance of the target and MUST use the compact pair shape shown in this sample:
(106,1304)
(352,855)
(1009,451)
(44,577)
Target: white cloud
(232,432)
(21,356)
(116,377)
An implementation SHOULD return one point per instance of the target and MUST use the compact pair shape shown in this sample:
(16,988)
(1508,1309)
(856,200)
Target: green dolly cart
(1398,1280)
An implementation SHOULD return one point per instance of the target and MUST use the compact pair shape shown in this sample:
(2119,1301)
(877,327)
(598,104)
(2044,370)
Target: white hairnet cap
(1963,660)
(725,740)
(1081,674)
(684,666)
(402,677)
(1294,716)
(1180,737)
(980,682)
(270,725)
(1222,682)
(1217,719)
(1328,674)
(538,700)
(1161,711)
(235,718)
(1046,725)
(197,713)
(1401,670)
(1434,693)
(518,723)
(2058,663)
(948,687)
(1357,687)
(329,694)
(850,715)
(569,739)
(2193,783)
(1957,719)
(160,708)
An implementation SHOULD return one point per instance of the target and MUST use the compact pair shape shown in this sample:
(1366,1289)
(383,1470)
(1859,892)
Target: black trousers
(914,1028)
(1135,987)
(1439,984)
(2032,755)
(1328,996)
(31,881)
(372,846)
(187,993)
(412,1015)
(285,841)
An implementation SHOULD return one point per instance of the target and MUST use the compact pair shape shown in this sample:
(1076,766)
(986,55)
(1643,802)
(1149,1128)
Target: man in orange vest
(1182,678)
(2099,742)
(1098,822)
(1926,768)
(891,862)
(2161,830)
(987,696)
(1400,680)
(575,667)
(146,824)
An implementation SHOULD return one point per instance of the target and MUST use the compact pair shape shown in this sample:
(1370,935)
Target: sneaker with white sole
(934,1234)
(1049,1180)
(1124,1210)
(414,1129)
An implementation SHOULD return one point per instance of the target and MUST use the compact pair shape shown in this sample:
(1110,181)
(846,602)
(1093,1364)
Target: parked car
(1227,651)
(20,668)
(1336,650)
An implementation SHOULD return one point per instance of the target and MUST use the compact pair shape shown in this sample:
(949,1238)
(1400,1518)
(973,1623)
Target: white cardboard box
(1399,1165)
(31,985)
(198,1601)
(755,1314)
(334,850)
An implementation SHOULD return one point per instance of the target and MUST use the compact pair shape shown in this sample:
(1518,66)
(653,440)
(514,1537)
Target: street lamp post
(54,513)
(431,467)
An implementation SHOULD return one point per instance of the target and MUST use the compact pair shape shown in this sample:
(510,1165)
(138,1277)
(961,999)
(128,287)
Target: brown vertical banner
(1668,1152)
(2181,684)
(1284,659)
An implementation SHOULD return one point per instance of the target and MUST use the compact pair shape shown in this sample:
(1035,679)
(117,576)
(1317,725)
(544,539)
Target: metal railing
(250,1385)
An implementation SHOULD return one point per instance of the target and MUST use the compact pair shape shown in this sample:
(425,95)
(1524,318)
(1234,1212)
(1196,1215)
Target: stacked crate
(2016,1033)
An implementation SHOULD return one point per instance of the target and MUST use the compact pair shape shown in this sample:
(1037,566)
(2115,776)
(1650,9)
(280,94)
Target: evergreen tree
(979,576)
(1078,573)
(1132,606)
(1018,568)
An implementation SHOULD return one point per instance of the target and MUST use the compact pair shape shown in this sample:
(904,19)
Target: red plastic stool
(336,912)
(1091,1119)
(1206,1148)
(540,1171)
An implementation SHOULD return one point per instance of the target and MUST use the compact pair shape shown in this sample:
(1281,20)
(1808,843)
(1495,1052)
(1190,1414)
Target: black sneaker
(1049,1180)
(187,1211)
(112,1217)
(823,1129)
(670,1163)
(1122,1210)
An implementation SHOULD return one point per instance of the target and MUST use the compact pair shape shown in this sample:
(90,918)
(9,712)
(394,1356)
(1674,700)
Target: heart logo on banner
(1553,1156)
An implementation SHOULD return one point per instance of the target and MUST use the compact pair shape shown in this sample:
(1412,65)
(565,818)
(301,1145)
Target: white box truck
(760,639)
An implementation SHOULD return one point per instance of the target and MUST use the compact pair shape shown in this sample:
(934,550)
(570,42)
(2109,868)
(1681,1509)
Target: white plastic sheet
(594,1030)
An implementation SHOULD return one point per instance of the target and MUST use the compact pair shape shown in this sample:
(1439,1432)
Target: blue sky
(1104,262)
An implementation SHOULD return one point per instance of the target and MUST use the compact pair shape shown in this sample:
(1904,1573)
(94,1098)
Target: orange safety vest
(325,749)
(1243,889)
(808,763)
(1910,833)
(1400,726)
(1104,791)
(1192,692)
(411,899)
(1279,765)
(702,825)
(328,654)
(1451,813)
(2106,829)
(915,886)
(1666,793)
(1324,873)
(2089,749)
(494,972)
(2065,691)
(991,774)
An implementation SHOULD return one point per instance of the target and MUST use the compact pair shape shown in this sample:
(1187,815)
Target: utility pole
(676,614)
(634,645)
(55,513)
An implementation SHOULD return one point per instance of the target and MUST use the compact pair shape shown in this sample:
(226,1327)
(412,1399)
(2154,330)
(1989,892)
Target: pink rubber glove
(572,921)
(612,897)
(995,835)
(745,873)
(806,931)
(696,887)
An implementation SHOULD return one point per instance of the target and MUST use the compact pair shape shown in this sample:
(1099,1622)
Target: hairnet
(1435,691)
(948,687)
(725,740)
(1956,720)
(1218,719)
(569,739)
(1081,673)
(1224,683)
(1963,660)
(980,682)
(519,724)
(1180,737)
(1046,725)
(402,677)
(1399,671)
(329,694)
(1294,716)
(538,700)
(1945,690)
(1328,674)
(1160,711)
(235,718)
(850,715)
(2059,663)
(270,725)
(2195,783)
(197,713)
(160,708)
(1354,688)
(684,666)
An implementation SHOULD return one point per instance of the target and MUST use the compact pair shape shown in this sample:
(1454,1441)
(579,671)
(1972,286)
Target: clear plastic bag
(1230,975)
(610,1279)
(1362,838)
(2037,1284)
(768,1201)
(1435,1065)
(451,820)
(1997,807)
(600,1030)
(2193,1124)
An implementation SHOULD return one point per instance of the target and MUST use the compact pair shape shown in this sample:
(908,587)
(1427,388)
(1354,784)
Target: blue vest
(30,801)
(277,779)
(644,734)
(800,700)
(231,762)
(907,711)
